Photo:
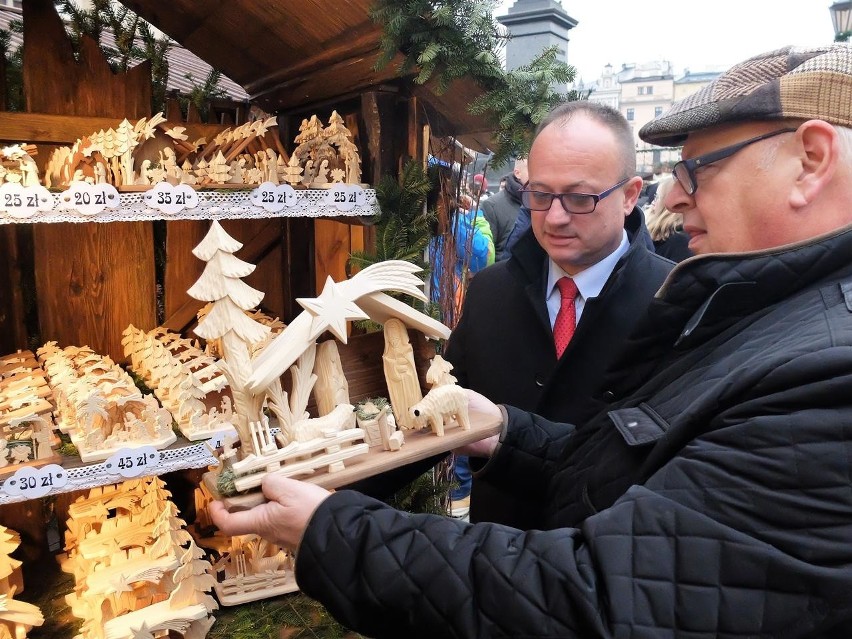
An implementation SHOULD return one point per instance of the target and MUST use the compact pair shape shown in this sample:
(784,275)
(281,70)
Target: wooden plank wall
(92,279)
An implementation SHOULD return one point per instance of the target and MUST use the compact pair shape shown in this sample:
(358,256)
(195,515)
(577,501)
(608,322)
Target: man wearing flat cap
(713,495)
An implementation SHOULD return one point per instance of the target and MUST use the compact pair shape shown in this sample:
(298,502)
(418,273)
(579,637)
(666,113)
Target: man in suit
(503,345)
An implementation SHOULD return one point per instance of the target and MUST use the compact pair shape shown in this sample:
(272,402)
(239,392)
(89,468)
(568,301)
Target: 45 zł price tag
(133,462)
(30,482)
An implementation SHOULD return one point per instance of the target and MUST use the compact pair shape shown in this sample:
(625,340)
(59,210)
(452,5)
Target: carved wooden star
(330,311)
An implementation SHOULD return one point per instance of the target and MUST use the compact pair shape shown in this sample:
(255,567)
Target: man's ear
(818,154)
(631,194)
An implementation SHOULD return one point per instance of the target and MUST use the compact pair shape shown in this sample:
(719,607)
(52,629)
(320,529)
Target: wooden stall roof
(292,56)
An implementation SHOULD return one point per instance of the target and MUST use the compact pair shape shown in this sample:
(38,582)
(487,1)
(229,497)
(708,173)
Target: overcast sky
(699,34)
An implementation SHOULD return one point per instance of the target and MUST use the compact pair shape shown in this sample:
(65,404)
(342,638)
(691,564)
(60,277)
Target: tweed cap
(793,82)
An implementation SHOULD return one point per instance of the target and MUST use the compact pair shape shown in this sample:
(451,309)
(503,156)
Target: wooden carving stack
(98,404)
(248,568)
(138,573)
(26,420)
(183,377)
(325,155)
(137,156)
(17,618)
(17,165)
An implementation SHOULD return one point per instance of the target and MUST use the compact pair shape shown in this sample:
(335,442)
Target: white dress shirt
(589,282)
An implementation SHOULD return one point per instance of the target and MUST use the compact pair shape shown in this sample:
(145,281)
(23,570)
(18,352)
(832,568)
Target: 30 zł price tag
(133,462)
(30,482)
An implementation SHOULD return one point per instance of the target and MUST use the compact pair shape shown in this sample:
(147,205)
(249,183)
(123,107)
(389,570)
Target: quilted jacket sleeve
(743,533)
(386,573)
(530,449)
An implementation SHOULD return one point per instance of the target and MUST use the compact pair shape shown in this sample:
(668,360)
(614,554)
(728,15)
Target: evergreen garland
(403,225)
(451,39)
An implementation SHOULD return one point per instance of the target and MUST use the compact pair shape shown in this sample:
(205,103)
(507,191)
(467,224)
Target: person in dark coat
(503,345)
(711,497)
(666,227)
(501,209)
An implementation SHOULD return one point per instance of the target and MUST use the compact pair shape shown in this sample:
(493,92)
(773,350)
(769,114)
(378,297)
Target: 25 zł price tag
(133,462)
(30,482)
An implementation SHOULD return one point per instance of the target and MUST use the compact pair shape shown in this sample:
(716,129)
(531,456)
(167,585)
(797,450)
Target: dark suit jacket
(503,345)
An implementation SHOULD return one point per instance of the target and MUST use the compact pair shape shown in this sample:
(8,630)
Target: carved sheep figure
(441,404)
(342,417)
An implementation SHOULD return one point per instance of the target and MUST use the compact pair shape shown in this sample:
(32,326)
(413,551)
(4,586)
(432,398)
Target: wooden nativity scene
(134,156)
(342,442)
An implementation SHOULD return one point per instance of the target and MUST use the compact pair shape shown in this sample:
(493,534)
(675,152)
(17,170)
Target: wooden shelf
(212,205)
(181,455)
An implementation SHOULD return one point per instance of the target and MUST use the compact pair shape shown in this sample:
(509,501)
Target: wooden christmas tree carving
(220,284)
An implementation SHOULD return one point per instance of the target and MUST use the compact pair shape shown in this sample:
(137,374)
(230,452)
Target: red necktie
(566,319)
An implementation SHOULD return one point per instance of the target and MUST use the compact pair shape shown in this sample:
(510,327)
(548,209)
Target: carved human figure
(331,387)
(322,174)
(400,372)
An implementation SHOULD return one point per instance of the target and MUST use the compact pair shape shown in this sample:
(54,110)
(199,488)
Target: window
(641,90)
(658,111)
(630,115)
(649,90)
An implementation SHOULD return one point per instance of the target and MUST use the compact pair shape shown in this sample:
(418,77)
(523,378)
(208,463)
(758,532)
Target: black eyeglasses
(684,171)
(576,203)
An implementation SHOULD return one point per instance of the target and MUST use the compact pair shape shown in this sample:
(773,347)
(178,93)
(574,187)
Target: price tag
(22,202)
(273,197)
(345,197)
(268,197)
(88,199)
(170,199)
(30,482)
(219,438)
(133,462)
(110,194)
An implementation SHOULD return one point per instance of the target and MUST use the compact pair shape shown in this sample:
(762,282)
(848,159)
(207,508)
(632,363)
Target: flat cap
(793,82)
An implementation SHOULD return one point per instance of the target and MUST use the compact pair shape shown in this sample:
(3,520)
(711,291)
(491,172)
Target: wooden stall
(83,283)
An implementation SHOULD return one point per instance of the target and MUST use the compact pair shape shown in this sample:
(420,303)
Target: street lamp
(841,18)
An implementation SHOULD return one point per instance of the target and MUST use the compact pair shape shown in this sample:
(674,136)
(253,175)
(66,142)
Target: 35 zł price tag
(133,462)
(30,482)
(170,199)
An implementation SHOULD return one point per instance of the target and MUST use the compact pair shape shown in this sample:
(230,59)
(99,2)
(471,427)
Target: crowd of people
(675,457)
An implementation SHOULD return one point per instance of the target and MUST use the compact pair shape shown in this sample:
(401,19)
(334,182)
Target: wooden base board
(418,445)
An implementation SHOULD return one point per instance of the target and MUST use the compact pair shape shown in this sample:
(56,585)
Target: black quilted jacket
(720,504)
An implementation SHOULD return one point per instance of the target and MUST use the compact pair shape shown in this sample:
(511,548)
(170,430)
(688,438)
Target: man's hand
(484,447)
(282,519)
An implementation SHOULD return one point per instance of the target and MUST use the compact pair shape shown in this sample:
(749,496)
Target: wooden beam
(378,109)
(353,44)
(43,128)
(12,331)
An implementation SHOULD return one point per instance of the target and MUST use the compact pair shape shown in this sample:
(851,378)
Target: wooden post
(12,329)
